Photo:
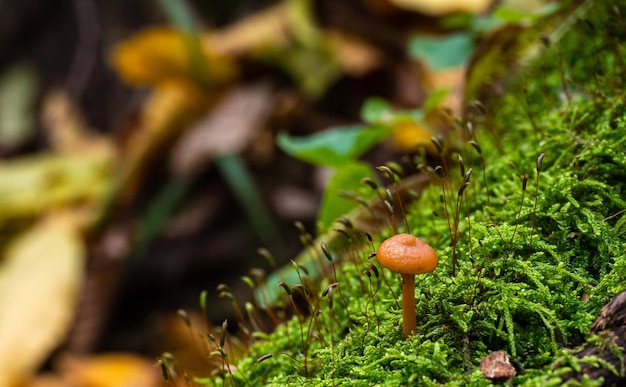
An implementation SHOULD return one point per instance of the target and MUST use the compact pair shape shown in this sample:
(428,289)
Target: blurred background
(139,159)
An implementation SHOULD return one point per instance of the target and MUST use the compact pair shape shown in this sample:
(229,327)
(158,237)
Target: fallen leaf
(228,128)
(40,277)
(67,132)
(33,185)
(287,36)
(446,59)
(76,173)
(410,129)
(355,56)
(442,52)
(44,380)
(160,54)
(453,81)
(110,370)
(408,135)
(170,108)
(269,27)
(190,344)
(18,91)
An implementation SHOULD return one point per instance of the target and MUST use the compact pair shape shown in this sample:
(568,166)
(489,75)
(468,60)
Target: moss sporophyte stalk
(526,216)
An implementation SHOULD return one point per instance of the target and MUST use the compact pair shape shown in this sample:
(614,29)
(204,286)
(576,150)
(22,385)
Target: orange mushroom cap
(406,254)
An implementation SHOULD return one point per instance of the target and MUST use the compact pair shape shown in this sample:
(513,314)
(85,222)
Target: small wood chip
(497,367)
(612,316)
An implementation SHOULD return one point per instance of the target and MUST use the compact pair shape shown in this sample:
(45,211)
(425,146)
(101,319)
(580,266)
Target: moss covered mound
(530,250)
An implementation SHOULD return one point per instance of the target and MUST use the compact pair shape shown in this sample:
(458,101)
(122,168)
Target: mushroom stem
(409,324)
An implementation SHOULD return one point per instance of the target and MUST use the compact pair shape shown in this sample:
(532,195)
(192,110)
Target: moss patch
(529,251)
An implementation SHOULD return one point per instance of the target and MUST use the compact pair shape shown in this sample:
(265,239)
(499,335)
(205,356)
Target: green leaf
(18,92)
(475,23)
(440,53)
(511,15)
(308,59)
(334,147)
(434,99)
(486,24)
(375,111)
(180,15)
(302,61)
(347,179)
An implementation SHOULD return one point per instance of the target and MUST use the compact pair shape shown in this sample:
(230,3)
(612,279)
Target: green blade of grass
(244,188)
(181,17)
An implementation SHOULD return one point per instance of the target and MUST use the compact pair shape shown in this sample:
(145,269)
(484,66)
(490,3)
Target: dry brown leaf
(39,281)
(67,131)
(269,27)
(443,7)
(192,345)
(453,80)
(355,56)
(228,128)
(44,380)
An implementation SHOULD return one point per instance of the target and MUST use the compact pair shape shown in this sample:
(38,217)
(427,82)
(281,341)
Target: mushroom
(407,255)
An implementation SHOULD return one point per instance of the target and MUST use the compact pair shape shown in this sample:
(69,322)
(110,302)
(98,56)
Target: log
(610,325)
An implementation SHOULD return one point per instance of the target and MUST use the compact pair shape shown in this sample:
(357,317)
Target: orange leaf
(160,54)
(110,370)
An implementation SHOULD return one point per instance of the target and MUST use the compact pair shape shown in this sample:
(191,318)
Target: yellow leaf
(443,7)
(32,185)
(160,54)
(39,281)
(409,134)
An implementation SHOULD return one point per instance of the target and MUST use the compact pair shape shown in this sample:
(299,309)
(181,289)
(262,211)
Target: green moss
(540,247)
